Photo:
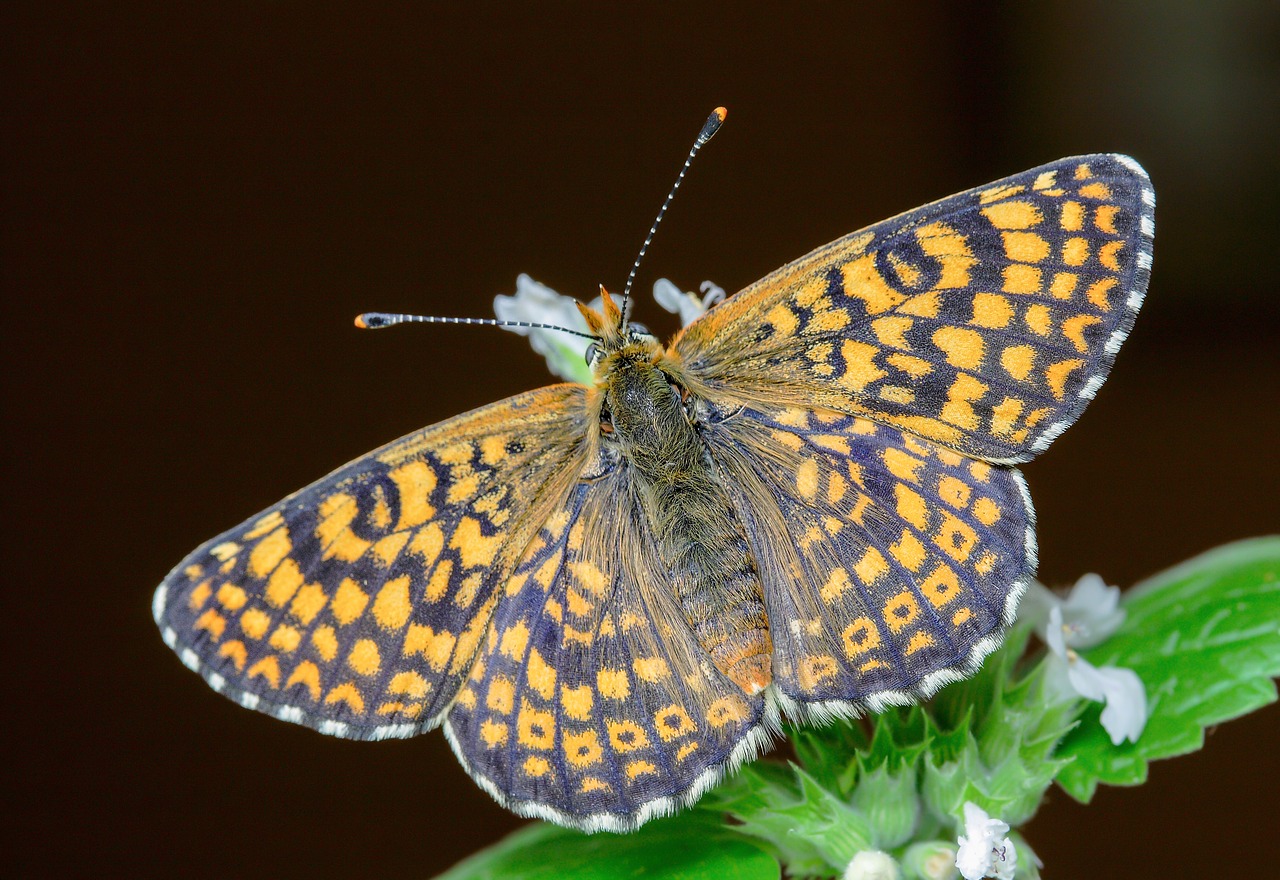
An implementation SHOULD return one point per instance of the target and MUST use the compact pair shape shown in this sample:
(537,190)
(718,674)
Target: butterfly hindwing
(592,703)
(356,605)
(890,564)
(985,321)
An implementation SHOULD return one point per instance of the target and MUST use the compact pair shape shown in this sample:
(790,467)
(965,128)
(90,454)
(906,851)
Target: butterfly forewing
(985,321)
(356,605)
(592,703)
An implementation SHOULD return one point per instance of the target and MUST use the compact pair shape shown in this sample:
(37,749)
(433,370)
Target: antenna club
(712,125)
(360,322)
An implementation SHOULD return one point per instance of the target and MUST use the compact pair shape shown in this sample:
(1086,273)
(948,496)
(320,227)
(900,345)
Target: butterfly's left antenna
(709,128)
(376,320)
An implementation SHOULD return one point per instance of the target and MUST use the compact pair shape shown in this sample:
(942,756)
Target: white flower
(539,304)
(1125,713)
(872,864)
(687,305)
(1088,616)
(985,849)
(1091,611)
(536,303)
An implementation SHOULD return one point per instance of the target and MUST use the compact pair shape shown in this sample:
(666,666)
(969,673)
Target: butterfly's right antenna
(709,128)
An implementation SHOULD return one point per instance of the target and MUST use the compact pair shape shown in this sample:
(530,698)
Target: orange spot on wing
(909,552)
(1021,278)
(286,638)
(871,566)
(992,311)
(1095,191)
(901,465)
(1025,247)
(212,622)
(410,684)
(199,596)
(1073,329)
(364,657)
(254,622)
(613,683)
(919,641)
(963,347)
(307,603)
(349,602)
(268,667)
(540,675)
(860,368)
(436,647)
(1017,360)
(268,552)
(325,642)
(1072,216)
(347,693)
(1015,214)
(1056,375)
(308,674)
(236,651)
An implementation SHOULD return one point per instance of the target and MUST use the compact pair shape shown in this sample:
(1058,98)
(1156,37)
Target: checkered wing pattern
(357,605)
(890,564)
(592,703)
(984,322)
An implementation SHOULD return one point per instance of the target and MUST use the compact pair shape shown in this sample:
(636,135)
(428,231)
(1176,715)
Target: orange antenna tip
(360,322)
(712,125)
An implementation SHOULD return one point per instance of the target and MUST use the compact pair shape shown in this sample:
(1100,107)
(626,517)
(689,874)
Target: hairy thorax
(699,539)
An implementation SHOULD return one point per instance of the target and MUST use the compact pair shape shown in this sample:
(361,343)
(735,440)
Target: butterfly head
(616,337)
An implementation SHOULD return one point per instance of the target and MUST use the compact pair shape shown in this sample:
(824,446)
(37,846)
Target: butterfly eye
(639,329)
(591,353)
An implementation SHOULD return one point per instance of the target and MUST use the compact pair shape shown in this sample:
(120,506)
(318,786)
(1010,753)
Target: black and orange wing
(984,322)
(592,703)
(356,606)
(890,565)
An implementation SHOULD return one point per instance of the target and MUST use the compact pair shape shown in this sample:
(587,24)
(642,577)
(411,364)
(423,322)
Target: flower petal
(677,301)
(1092,611)
(536,303)
(1125,714)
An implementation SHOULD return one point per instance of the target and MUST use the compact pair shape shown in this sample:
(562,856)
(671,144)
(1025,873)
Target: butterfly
(804,506)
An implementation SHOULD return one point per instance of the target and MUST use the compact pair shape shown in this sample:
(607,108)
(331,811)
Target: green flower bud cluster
(897,782)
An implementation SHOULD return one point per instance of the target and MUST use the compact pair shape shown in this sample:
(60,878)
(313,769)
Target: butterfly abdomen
(699,539)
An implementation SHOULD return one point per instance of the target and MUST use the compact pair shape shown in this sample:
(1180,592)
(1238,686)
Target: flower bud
(930,860)
(872,864)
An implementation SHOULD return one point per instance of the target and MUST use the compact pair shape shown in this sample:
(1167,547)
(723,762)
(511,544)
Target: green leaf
(1204,637)
(690,846)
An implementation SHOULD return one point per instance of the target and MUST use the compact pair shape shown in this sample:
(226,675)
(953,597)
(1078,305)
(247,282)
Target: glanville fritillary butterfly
(805,505)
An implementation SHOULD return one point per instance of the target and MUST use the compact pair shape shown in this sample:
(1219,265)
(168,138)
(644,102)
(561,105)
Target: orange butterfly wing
(985,321)
(357,605)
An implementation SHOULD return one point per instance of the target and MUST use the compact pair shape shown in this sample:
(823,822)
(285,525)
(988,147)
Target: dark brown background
(197,202)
